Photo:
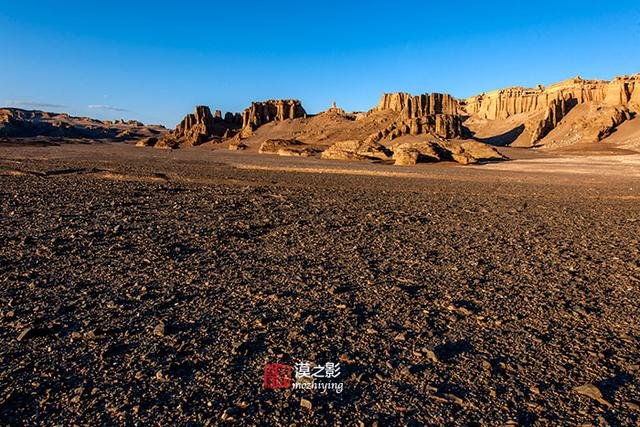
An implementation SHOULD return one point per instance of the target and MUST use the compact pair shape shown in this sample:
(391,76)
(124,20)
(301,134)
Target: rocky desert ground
(431,261)
(145,286)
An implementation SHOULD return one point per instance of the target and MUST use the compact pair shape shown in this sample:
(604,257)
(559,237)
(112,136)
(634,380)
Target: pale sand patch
(121,177)
(338,171)
(624,165)
(12,173)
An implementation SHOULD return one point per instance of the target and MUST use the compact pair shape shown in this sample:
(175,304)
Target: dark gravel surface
(158,297)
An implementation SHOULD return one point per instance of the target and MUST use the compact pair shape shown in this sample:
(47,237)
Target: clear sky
(155,60)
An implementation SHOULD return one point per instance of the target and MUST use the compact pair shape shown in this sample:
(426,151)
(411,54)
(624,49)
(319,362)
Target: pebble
(306,404)
(160,329)
(590,390)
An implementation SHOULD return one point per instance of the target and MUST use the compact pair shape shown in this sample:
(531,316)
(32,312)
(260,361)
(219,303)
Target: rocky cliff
(420,105)
(437,114)
(201,126)
(501,104)
(541,109)
(272,110)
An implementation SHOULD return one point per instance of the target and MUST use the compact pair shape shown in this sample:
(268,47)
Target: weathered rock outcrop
(466,152)
(420,105)
(356,150)
(543,109)
(555,112)
(470,152)
(272,110)
(286,147)
(411,153)
(587,123)
(334,109)
(237,145)
(202,126)
(271,146)
(441,125)
(436,114)
(297,151)
(504,103)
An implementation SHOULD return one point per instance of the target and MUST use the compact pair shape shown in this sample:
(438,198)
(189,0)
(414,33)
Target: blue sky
(154,61)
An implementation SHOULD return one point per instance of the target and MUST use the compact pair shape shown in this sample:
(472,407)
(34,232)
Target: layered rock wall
(504,103)
(434,113)
(543,108)
(420,105)
(272,110)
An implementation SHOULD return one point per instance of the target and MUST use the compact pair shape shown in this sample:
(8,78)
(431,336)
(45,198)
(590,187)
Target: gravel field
(145,287)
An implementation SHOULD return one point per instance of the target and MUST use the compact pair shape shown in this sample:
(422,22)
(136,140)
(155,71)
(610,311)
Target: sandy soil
(145,286)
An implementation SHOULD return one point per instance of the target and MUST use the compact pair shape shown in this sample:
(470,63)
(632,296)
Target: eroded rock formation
(437,114)
(410,153)
(466,152)
(543,109)
(503,103)
(356,150)
(420,105)
(417,152)
(272,110)
(271,146)
(286,147)
(587,123)
(442,125)
(201,126)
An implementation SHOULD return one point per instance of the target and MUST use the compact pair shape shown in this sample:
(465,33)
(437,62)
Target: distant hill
(16,123)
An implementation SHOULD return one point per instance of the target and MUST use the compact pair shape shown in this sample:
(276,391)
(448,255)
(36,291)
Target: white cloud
(32,104)
(107,108)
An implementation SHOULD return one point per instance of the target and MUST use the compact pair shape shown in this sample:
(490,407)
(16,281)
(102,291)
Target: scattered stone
(32,332)
(431,356)
(306,404)
(356,150)
(160,329)
(592,391)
